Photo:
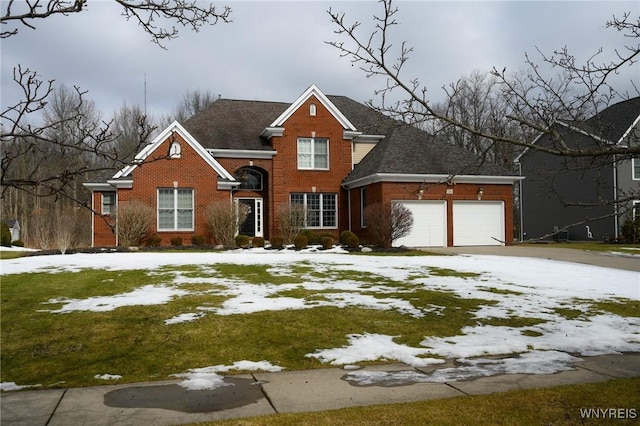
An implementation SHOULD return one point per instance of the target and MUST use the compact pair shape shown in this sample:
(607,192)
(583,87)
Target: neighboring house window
(175,209)
(108,202)
(249,179)
(321,209)
(363,206)
(313,153)
(636,168)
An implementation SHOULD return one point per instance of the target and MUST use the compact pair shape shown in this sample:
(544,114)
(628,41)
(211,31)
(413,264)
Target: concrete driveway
(606,259)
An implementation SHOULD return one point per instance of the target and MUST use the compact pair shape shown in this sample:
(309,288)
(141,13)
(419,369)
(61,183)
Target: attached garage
(478,223)
(429,224)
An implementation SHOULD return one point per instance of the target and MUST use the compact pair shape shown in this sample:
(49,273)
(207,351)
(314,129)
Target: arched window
(249,179)
(175,151)
(312,110)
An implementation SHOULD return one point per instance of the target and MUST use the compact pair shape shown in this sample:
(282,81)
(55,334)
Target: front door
(252,225)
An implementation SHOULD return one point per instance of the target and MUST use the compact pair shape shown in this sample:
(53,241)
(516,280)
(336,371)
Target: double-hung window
(321,209)
(108,203)
(313,153)
(636,168)
(175,209)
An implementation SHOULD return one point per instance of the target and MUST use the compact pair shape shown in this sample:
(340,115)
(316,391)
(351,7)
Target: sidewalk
(257,394)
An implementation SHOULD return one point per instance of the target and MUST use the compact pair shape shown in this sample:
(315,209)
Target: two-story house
(593,193)
(330,154)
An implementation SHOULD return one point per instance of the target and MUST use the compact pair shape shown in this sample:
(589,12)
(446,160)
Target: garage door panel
(429,224)
(478,223)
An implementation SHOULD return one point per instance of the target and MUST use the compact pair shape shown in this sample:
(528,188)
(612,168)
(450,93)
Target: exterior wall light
(480,193)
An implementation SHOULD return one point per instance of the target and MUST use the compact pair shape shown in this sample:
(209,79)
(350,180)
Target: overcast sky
(274,50)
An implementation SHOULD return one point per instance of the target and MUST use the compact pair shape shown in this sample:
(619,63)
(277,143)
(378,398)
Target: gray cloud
(275,50)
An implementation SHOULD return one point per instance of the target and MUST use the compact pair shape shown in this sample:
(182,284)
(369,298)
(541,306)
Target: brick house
(329,153)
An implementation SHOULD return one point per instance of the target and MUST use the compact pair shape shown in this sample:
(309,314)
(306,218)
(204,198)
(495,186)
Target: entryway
(253,225)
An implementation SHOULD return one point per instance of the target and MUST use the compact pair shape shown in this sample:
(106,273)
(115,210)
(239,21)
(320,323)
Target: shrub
(277,242)
(300,241)
(197,240)
(242,241)
(345,235)
(135,222)
(257,242)
(630,230)
(291,220)
(327,242)
(18,243)
(353,241)
(176,241)
(153,241)
(222,219)
(5,236)
(312,236)
(386,222)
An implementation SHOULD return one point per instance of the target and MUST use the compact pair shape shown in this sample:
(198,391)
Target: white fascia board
(175,127)
(270,132)
(369,138)
(98,186)
(242,153)
(431,178)
(313,91)
(126,184)
(227,185)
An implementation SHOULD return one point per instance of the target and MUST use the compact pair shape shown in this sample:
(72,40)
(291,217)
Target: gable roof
(160,139)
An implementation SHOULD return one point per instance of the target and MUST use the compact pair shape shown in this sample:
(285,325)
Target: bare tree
(386,222)
(292,219)
(135,221)
(149,14)
(555,92)
(534,100)
(223,219)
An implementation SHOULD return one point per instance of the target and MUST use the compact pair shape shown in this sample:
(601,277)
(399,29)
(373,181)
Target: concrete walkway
(258,394)
(544,251)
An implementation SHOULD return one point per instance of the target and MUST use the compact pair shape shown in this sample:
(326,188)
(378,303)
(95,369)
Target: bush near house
(345,235)
(300,242)
(327,242)
(135,223)
(176,241)
(257,242)
(222,218)
(312,236)
(277,242)
(386,222)
(5,237)
(243,241)
(197,240)
(631,230)
(292,217)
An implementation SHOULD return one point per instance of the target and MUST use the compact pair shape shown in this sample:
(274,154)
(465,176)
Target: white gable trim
(174,127)
(313,91)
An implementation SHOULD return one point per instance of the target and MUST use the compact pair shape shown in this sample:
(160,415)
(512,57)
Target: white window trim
(633,168)
(321,211)
(175,209)
(313,153)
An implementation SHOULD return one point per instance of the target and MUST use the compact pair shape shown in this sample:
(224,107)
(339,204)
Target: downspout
(520,203)
(349,207)
(615,197)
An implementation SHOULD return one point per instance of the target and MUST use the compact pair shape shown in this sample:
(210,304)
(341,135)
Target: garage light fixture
(480,193)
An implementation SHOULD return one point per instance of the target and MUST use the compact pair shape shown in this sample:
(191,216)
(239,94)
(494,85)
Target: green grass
(10,254)
(592,246)
(553,406)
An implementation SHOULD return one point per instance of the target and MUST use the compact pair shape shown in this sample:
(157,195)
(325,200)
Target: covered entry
(253,225)
(429,224)
(478,223)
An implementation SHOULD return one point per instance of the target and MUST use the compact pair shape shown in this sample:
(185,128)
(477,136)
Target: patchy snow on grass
(107,377)
(207,378)
(146,295)
(12,386)
(538,290)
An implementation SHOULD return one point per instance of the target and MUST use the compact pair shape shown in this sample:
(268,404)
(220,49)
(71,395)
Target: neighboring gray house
(14,228)
(562,191)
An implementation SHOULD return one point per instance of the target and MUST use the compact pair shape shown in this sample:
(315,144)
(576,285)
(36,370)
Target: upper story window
(108,202)
(313,153)
(636,168)
(249,179)
(175,209)
(312,110)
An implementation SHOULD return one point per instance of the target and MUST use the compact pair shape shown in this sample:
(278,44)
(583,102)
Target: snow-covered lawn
(514,287)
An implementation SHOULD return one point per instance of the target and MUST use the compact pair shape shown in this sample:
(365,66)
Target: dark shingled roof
(612,122)
(234,124)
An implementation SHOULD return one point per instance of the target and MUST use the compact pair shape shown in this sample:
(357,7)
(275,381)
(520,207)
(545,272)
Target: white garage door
(429,224)
(478,223)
